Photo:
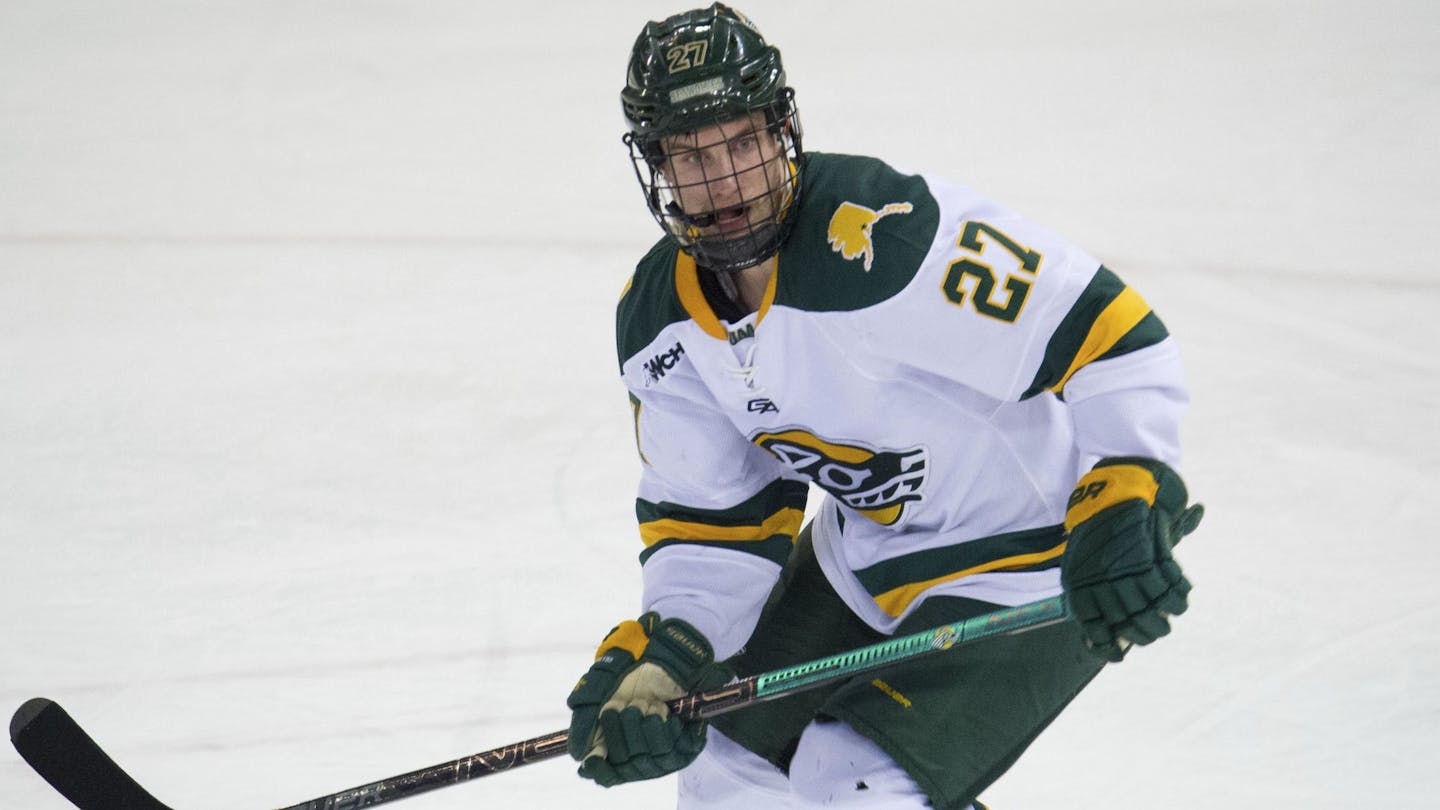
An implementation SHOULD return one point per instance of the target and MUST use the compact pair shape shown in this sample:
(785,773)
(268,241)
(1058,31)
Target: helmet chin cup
(728,255)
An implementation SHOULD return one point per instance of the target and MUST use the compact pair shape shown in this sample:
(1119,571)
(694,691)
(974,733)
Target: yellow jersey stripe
(895,601)
(785,521)
(1118,318)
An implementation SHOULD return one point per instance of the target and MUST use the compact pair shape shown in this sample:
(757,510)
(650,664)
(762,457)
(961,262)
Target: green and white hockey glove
(620,728)
(1119,577)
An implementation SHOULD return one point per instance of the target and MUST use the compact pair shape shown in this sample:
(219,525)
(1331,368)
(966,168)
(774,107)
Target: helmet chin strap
(672,209)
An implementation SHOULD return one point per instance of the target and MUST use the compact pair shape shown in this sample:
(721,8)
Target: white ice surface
(314,466)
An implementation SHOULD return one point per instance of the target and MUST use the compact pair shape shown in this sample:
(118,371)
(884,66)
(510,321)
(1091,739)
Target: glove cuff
(1125,478)
(681,650)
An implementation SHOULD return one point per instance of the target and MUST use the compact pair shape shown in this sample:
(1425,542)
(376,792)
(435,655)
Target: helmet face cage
(726,192)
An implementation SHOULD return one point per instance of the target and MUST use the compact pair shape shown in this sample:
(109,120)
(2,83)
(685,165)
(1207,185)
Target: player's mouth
(730,220)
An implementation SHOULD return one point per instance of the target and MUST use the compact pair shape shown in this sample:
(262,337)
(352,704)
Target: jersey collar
(687,286)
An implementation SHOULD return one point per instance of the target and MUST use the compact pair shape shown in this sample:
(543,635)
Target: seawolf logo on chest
(879,484)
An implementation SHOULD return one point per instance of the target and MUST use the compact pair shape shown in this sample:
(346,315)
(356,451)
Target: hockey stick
(61,752)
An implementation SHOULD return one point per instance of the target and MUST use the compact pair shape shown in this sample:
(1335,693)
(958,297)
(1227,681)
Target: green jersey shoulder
(863,231)
(650,301)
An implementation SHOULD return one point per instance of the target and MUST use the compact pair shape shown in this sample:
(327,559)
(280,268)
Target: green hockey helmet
(714,136)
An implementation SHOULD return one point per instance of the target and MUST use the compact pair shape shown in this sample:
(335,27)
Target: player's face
(734,171)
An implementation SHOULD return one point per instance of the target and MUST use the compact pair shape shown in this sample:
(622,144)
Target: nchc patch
(876,483)
(658,366)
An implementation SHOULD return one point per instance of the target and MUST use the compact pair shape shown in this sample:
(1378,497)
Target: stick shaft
(442,775)
(731,697)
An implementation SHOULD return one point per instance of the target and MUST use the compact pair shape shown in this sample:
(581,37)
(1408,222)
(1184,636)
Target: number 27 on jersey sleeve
(980,276)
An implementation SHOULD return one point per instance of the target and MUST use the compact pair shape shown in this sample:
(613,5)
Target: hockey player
(991,414)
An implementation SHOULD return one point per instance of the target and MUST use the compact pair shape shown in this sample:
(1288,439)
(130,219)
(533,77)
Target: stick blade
(61,752)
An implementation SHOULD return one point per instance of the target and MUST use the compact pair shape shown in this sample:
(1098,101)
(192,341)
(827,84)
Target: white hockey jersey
(941,368)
